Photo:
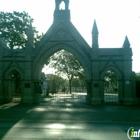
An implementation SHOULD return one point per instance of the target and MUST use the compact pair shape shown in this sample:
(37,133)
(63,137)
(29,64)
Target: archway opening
(16,85)
(62,6)
(111,87)
(13,87)
(63,77)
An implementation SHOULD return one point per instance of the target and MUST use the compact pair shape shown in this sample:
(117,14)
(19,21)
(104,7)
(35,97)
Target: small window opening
(62,6)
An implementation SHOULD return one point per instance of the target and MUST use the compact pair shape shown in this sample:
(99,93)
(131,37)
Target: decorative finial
(126,43)
(95,29)
(30,30)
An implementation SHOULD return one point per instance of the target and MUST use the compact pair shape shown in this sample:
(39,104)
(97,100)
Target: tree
(59,81)
(66,65)
(78,83)
(14,27)
(111,80)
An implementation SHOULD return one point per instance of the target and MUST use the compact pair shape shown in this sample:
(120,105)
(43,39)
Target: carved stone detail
(61,34)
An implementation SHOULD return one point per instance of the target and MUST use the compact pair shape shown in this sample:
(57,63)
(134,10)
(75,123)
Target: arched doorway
(50,50)
(111,87)
(111,90)
(13,86)
(79,54)
(65,76)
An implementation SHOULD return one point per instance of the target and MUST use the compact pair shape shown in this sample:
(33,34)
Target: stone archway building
(63,35)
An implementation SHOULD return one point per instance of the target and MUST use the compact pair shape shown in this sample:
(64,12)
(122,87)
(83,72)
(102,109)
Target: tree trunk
(70,81)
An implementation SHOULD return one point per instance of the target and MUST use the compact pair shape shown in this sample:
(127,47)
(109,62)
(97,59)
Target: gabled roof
(63,31)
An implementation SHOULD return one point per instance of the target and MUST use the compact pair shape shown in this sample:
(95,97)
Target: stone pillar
(28,86)
(102,90)
(28,95)
(37,91)
(1,72)
(128,93)
(120,91)
(96,99)
(66,4)
(95,66)
(95,93)
(134,87)
(129,90)
(128,86)
(127,67)
(56,5)
(1,84)
(89,91)
(7,91)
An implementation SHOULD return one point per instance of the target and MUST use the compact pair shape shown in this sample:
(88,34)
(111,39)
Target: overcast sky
(115,19)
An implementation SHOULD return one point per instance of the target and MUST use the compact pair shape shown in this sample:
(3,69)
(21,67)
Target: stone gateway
(20,70)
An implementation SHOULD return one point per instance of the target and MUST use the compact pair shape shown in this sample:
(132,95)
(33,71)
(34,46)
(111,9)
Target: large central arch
(41,59)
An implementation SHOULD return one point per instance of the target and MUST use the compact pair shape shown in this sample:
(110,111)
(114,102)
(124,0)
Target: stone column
(28,95)
(128,99)
(96,92)
(134,87)
(56,5)
(7,90)
(28,86)
(66,4)
(95,66)
(1,72)
(89,91)
(96,99)
(37,91)
(1,84)
(128,86)
(127,67)
(102,90)
(120,91)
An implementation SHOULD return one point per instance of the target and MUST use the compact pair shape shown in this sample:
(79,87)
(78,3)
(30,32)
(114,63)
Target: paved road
(64,118)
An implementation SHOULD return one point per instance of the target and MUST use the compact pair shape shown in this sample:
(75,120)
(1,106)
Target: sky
(115,19)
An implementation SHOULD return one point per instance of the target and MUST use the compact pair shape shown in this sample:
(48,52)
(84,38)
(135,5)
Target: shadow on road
(60,114)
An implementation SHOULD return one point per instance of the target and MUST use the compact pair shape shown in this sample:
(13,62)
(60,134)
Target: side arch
(119,79)
(42,57)
(12,69)
(13,87)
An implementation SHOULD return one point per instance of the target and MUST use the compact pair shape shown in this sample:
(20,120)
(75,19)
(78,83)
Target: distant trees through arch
(111,86)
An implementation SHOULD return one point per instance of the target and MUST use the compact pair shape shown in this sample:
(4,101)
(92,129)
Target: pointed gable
(63,31)
(60,32)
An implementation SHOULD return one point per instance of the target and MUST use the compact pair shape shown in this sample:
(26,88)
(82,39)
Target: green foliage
(110,79)
(14,27)
(66,65)
(59,81)
(78,82)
